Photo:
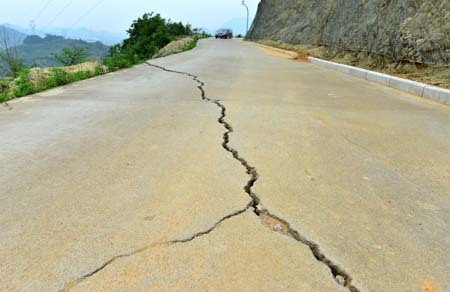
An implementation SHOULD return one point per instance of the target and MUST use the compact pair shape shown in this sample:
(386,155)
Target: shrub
(192,44)
(23,84)
(99,70)
(147,35)
(79,75)
(4,96)
(72,56)
(57,77)
(4,90)
(119,58)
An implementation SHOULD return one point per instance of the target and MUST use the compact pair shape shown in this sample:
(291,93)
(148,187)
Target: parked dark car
(224,34)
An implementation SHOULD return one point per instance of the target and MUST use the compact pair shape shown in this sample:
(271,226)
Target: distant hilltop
(37,51)
(86,34)
(11,36)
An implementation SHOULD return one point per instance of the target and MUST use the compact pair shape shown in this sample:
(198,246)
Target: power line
(92,8)
(42,10)
(59,14)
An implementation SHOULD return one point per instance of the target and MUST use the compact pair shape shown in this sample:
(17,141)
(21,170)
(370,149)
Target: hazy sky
(117,15)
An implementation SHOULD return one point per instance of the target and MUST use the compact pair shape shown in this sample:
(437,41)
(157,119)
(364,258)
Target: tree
(147,35)
(179,29)
(10,57)
(72,56)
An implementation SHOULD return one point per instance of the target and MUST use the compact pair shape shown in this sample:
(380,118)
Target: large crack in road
(282,226)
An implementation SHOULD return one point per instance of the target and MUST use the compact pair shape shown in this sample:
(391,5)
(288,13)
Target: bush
(192,44)
(99,70)
(79,75)
(147,35)
(72,56)
(4,96)
(57,77)
(4,90)
(23,84)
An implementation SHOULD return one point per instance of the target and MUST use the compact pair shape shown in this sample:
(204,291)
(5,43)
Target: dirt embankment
(174,47)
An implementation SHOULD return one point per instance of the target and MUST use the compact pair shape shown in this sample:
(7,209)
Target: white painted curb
(423,90)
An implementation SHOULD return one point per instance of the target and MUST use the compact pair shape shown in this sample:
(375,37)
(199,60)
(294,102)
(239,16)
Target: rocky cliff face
(414,30)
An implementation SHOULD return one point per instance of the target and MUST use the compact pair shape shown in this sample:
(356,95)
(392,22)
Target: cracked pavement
(224,168)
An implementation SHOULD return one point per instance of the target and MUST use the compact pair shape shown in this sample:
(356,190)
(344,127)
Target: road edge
(435,93)
(420,89)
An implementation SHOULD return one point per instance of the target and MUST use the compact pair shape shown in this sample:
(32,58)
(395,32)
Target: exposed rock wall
(414,30)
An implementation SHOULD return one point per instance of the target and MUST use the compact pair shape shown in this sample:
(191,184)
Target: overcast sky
(117,15)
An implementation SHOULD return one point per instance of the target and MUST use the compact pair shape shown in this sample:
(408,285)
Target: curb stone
(438,94)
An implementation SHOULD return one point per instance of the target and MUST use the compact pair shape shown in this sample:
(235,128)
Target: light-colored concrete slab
(96,173)
(239,255)
(104,167)
(360,169)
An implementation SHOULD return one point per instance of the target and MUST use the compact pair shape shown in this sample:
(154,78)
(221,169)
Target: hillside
(410,30)
(87,34)
(12,36)
(37,51)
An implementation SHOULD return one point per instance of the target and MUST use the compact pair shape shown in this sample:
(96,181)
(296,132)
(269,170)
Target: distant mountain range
(86,34)
(37,51)
(11,36)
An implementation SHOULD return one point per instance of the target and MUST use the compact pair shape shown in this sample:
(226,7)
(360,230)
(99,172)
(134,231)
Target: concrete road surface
(226,168)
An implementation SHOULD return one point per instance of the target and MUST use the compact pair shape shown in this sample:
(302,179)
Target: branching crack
(281,225)
(339,274)
(76,282)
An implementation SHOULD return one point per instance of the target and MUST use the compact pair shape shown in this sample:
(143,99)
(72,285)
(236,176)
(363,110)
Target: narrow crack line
(76,282)
(340,275)
(200,234)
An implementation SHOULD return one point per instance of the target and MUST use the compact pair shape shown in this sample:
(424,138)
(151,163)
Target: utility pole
(243,3)
(33,27)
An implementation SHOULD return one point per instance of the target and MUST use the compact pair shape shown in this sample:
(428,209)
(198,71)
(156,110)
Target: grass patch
(24,84)
(191,45)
